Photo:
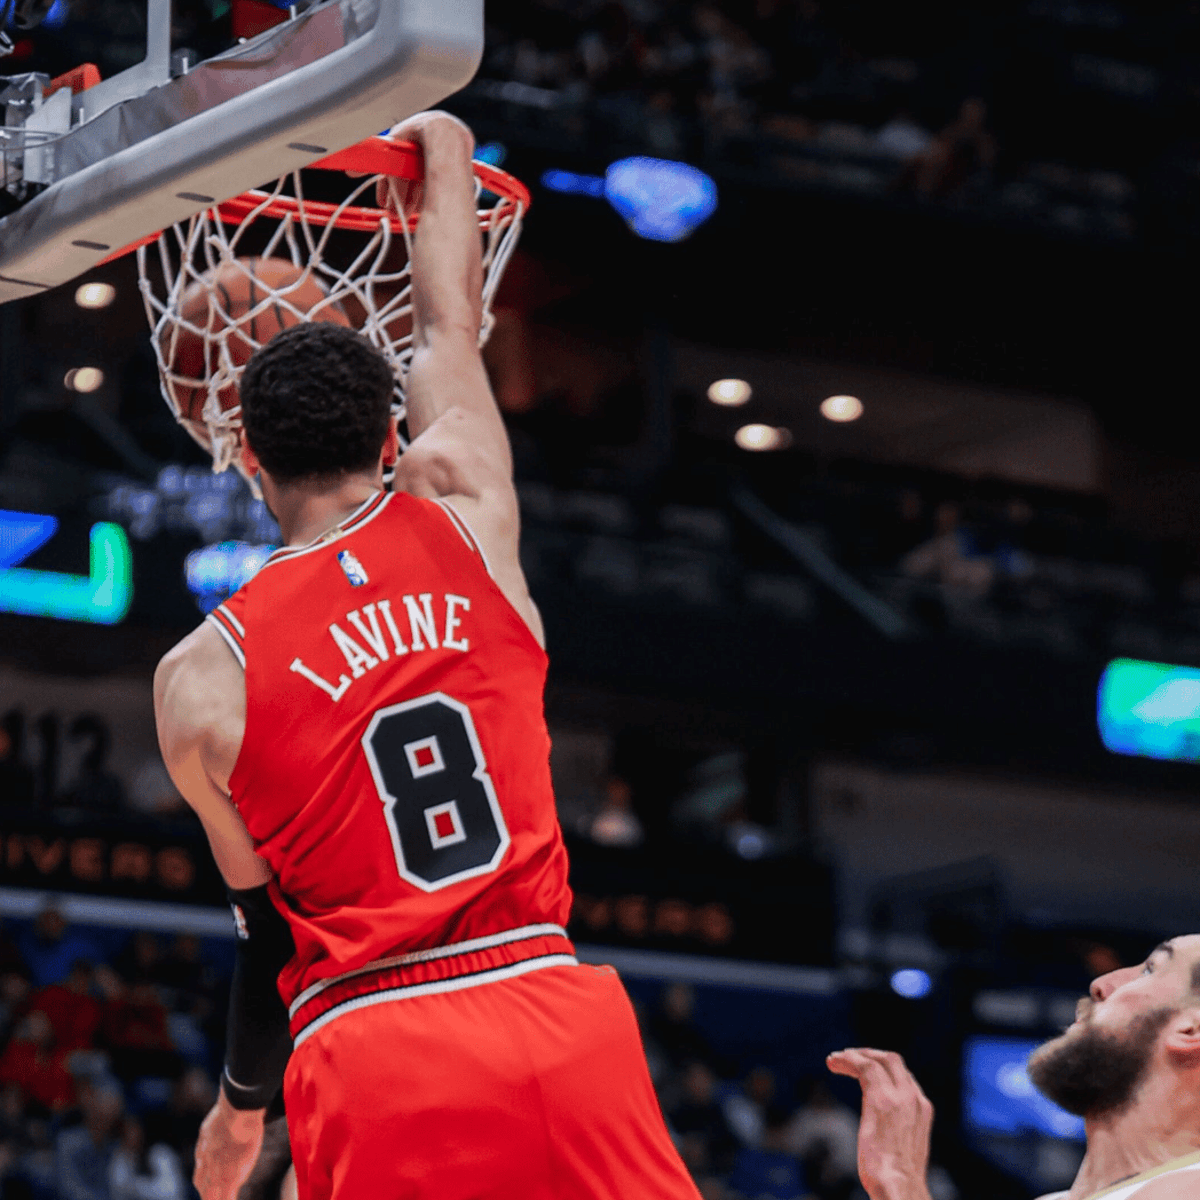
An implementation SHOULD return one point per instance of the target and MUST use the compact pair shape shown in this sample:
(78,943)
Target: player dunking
(1129,1065)
(360,730)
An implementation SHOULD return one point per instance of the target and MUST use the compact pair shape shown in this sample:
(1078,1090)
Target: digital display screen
(999,1097)
(1150,710)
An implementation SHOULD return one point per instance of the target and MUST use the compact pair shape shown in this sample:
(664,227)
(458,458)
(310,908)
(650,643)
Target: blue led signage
(101,596)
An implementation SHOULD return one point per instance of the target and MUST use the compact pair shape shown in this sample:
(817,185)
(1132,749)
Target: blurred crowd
(671,72)
(852,97)
(108,1058)
(751,1134)
(107,1064)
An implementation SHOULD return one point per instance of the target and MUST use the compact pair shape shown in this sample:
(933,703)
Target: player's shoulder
(196,677)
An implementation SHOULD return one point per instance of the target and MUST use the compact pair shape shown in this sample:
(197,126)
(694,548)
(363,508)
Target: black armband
(257,1042)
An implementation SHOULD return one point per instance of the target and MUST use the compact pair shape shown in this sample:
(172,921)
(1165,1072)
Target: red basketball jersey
(395,766)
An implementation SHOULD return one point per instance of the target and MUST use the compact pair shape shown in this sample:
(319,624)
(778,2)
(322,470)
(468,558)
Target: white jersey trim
(352,524)
(238,627)
(457,984)
(1122,1191)
(487,942)
(230,640)
(1129,1187)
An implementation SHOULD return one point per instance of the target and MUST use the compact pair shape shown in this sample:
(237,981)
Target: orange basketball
(226,298)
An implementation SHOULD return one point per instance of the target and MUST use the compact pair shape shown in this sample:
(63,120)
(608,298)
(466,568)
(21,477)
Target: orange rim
(375,156)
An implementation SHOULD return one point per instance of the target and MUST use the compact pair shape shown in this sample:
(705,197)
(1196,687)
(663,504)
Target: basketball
(227,298)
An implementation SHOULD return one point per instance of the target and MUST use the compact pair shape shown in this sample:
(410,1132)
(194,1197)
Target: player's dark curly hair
(316,401)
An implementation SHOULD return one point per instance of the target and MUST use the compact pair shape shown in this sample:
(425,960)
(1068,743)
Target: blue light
(492,153)
(56,16)
(661,200)
(911,983)
(21,533)
(215,572)
(572,184)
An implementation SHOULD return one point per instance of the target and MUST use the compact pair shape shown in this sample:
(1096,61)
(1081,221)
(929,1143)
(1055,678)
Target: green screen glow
(1151,710)
(101,596)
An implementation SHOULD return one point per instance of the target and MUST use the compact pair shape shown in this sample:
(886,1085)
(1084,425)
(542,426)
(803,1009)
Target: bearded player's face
(1098,1064)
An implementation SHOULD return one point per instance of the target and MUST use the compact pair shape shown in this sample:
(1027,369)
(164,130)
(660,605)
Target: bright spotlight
(95,295)
(84,379)
(911,983)
(762,437)
(841,408)
(730,393)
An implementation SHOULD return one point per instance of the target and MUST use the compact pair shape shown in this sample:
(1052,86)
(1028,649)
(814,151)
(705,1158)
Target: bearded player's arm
(894,1131)
(460,450)
(199,704)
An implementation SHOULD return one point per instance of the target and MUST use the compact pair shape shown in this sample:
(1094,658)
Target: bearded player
(360,730)
(1129,1065)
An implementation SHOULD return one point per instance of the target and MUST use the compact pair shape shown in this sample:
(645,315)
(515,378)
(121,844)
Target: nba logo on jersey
(352,567)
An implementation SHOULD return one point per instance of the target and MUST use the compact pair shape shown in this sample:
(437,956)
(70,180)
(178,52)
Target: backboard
(96,170)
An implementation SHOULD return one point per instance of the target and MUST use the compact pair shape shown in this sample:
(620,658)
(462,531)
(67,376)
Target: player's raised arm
(460,449)
(446,374)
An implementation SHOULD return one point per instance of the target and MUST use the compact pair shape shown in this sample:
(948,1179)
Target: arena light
(1150,710)
(762,437)
(214,573)
(492,153)
(841,408)
(95,295)
(911,983)
(660,199)
(572,184)
(84,379)
(729,393)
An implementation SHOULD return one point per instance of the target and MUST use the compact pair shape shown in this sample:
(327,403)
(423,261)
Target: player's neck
(306,510)
(1161,1125)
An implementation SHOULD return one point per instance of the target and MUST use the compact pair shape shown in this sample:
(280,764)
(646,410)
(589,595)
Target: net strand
(373,288)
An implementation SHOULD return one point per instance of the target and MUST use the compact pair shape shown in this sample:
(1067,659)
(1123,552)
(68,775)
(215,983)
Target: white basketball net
(193,251)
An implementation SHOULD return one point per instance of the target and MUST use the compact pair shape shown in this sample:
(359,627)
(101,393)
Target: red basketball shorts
(530,1088)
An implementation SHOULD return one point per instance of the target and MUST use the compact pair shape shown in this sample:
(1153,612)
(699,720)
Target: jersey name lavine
(394,771)
(375,636)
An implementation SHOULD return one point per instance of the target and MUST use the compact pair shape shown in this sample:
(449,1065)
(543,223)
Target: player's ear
(249,458)
(391,444)
(1183,1033)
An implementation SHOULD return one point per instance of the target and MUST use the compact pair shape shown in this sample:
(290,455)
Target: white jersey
(1129,1187)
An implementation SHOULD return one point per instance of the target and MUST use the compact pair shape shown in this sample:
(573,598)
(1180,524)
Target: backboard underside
(338,72)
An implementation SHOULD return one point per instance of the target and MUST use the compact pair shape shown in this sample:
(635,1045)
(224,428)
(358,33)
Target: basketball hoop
(358,249)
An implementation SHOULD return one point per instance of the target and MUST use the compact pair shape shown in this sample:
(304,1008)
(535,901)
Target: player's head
(316,403)
(1136,1023)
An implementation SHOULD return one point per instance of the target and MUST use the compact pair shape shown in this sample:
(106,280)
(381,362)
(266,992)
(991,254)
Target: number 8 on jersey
(438,799)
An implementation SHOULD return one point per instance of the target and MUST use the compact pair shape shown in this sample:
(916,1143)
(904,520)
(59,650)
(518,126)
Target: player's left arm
(200,713)
(199,697)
